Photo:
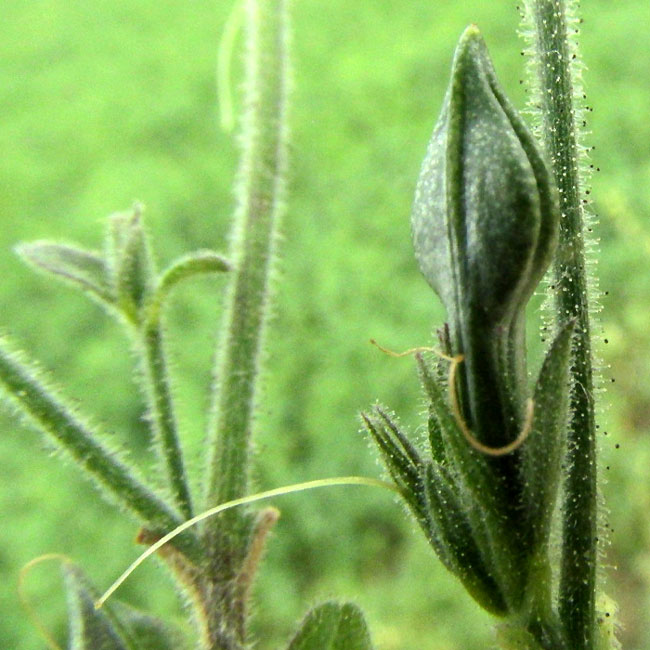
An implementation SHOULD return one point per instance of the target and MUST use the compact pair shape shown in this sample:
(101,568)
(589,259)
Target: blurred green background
(107,102)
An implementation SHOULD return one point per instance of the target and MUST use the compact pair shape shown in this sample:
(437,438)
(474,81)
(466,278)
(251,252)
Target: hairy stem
(260,190)
(554,60)
(163,418)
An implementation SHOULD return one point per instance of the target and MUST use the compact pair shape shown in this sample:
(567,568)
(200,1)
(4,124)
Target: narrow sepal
(90,629)
(84,269)
(483,495)
(436,442)
(333,626)
(542,453)
(24,386)
(402,469)
(401,438)
(453,539)
(471,466)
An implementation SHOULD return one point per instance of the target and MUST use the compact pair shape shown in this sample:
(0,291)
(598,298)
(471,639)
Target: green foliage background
(103,103)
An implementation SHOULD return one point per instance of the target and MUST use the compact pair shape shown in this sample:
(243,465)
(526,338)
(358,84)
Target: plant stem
(163,418)
(260,190)
(553,59)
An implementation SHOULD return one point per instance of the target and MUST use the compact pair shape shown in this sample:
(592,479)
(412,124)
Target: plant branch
(260,193)
(555,60)
(163,418)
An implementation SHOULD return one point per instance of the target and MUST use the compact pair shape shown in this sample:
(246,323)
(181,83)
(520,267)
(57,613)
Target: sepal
(400,458)
(149,632)
(453,539)
(542,453)
(480,487)
(116,626)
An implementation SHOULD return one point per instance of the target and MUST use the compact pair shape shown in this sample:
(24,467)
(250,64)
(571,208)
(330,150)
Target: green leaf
(90,629)
(199,262)
(543,451)
(22,384)
(81,268)
(333,626)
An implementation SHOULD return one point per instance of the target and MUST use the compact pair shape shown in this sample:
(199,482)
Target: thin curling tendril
(253,498)
(27,605)
(469,436)
(455,406)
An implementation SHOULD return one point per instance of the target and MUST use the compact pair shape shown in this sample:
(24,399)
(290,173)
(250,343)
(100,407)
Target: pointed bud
(485,215)
(131,261)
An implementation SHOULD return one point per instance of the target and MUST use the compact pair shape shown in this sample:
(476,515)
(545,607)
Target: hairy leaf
(81,268)
(23,385)
(196,263)
(333,626)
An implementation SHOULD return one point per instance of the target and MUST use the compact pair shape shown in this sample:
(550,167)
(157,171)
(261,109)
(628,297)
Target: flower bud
(485,215)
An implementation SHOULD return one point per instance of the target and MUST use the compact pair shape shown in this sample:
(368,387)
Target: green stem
(260,190)
(23,385)
(553,58)
(163,418)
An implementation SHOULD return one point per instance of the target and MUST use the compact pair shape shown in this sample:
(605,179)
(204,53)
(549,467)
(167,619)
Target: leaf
(81,268)
(90,628)
(333,626)
(543,450)
(22,384)
(199,262)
